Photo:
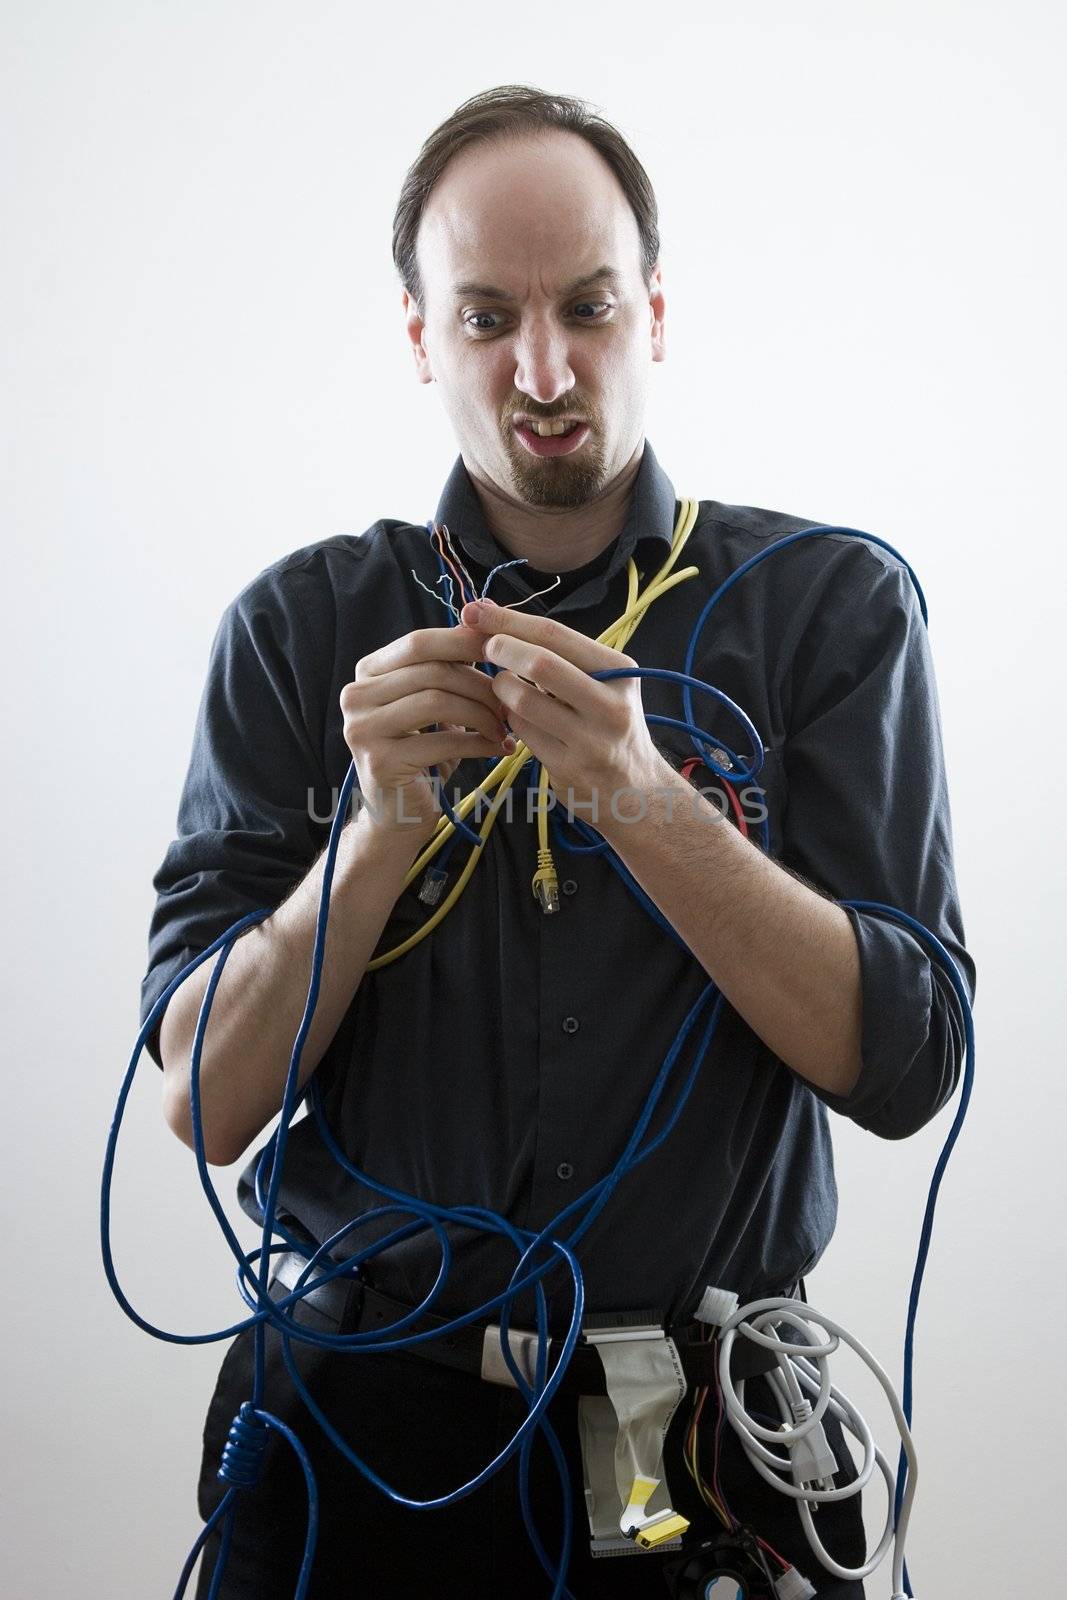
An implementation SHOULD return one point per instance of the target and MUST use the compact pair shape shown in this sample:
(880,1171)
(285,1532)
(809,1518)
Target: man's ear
(657,309)
(415,326)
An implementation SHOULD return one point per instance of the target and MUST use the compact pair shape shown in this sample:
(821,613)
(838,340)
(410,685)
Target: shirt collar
(650,519)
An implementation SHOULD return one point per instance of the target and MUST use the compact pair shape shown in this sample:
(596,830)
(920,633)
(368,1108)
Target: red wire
(719,1422)
(694,1427)
(720,1409)
(453,550)
(695,761)
(446,557)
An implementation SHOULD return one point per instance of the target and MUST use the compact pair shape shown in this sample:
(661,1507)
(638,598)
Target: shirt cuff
(153,986)
(899,1087)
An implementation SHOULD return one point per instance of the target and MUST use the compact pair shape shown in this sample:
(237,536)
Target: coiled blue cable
(253,1421)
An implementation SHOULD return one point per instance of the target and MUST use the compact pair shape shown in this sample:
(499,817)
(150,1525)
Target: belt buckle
(522,1344)
(601,1331)
(332,1300)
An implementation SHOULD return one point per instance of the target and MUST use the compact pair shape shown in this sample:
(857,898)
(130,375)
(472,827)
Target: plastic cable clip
(716,1307)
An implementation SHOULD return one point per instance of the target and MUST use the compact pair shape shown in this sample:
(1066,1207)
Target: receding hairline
(607,275)
(536,117)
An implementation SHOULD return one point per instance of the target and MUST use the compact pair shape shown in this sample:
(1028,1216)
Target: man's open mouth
(553,426)
(555,437)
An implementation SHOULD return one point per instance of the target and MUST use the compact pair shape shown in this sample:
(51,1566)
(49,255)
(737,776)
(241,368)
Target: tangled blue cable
(242,1456)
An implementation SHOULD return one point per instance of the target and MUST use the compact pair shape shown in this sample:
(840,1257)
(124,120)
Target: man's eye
(585,310)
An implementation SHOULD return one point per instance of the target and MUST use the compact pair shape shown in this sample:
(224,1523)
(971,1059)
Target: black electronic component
(718,1568)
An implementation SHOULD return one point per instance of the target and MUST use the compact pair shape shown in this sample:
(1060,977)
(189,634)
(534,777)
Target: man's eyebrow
(606,276)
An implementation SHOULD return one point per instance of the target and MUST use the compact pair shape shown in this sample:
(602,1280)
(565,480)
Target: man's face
(535,308)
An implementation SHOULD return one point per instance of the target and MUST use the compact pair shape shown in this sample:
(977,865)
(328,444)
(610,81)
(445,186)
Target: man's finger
(451,677)
(484,617)
(425,644)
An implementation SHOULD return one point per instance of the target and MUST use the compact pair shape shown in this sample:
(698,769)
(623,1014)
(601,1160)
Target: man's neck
(558,539)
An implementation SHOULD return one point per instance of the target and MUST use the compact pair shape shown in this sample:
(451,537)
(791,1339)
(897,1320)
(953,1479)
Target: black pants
(426,1430)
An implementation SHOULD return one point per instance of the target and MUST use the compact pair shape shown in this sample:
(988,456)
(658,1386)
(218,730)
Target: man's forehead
(485,287)
(520,220)
(512,258)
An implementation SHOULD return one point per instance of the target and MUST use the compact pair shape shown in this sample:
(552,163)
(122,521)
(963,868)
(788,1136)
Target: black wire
(749,1542)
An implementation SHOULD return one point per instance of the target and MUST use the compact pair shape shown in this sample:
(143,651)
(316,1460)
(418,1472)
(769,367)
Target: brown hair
(511,109)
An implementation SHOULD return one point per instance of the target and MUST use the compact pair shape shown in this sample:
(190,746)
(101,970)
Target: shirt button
(571,1024)
(564,1170)
(569,886)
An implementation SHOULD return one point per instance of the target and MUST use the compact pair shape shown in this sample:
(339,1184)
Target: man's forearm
(261,996)
(784,956)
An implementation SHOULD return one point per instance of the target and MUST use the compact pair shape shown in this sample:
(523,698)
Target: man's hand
(592,737)
(420,679)
(783,954)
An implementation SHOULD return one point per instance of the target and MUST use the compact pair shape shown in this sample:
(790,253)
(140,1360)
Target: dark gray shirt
(503,1061)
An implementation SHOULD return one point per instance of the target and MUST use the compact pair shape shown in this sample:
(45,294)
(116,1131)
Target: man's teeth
(547,430)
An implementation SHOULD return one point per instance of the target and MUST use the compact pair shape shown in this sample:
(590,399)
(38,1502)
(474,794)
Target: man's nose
(542,364)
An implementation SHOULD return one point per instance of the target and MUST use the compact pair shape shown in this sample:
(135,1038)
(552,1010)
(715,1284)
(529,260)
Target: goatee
(557,481)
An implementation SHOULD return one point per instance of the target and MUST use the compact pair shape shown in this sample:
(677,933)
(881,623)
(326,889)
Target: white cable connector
(716,1306)
(810,1456)
(792,1585)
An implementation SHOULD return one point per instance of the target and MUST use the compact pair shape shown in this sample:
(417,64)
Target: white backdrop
(863,226)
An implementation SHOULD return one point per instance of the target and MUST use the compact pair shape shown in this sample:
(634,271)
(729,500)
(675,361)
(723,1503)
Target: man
(502,1061)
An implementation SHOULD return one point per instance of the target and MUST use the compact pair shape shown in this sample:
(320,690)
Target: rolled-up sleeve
(253,811)
(867,818)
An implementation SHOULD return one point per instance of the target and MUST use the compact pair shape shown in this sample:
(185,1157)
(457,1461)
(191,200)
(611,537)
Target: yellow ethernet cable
(506,771)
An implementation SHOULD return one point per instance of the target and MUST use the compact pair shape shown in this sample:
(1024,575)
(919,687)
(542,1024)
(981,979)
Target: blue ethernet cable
(251,1426)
